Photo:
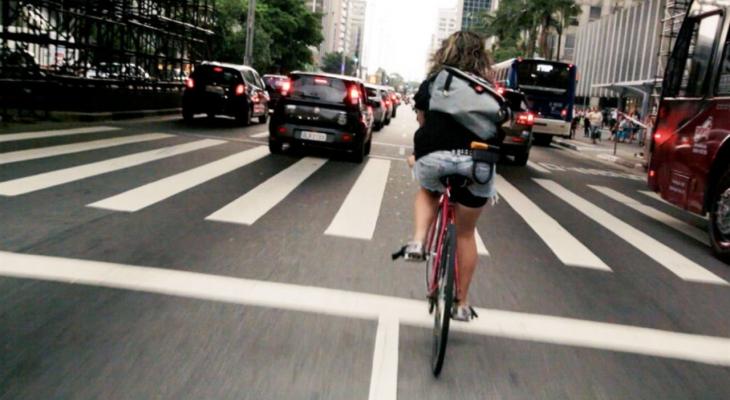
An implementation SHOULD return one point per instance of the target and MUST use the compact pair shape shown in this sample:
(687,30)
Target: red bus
(690,150)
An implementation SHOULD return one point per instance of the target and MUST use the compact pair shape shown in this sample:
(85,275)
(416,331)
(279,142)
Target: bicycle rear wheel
(444,301)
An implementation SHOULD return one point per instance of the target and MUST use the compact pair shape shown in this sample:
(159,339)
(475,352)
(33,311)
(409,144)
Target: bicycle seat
(456,181)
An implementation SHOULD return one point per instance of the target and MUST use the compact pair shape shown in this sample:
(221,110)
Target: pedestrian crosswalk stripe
(538,167)
(33,154)
(657,196)
(58,132)
(151,193)
(247,209)
(653,213)
(358,215)
(675,262)
(260,135)
(565,246)
(481,248)
(54,178)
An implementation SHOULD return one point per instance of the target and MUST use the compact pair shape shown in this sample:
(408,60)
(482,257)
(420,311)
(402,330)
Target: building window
(595,13)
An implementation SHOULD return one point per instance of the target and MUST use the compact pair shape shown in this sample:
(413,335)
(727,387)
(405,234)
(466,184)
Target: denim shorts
(431,167)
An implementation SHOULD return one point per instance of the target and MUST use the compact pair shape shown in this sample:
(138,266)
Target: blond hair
(463,50)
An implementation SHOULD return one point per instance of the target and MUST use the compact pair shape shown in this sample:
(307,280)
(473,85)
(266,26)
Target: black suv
(518,130)
(225,89)
(322,110)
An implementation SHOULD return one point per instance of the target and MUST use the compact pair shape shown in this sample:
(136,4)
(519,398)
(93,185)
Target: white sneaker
(463,312)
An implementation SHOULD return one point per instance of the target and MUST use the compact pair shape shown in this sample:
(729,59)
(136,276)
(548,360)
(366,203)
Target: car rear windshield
(326,89)
(206,74)
(538,75)
(372,92)
(274,81)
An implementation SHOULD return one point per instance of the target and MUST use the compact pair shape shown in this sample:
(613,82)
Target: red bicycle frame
(446,215)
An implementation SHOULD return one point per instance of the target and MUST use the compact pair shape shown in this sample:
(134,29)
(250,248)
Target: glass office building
(471,11)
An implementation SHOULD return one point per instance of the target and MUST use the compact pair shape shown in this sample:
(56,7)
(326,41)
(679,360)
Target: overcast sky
(398,35)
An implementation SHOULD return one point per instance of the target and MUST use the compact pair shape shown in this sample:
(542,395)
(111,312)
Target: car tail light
(282,129)
(353,95)
(652,173)
(564,113)
(321,81)
(500,90)
(240,89)
(518,139)
(347,137)
(218,69)
(190,83)
(256,98)
(285,87)
(526,118)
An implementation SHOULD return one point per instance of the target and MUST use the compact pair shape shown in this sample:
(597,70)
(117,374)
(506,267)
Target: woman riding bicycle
(441,147)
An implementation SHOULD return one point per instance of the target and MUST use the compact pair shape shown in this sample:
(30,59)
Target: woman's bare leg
(425,211)
(466,247)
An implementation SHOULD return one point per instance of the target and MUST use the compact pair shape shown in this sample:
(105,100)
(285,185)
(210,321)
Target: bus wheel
(720,218)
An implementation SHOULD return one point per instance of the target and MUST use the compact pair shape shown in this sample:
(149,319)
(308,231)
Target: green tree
(332,63)
(284,32)
(523,26)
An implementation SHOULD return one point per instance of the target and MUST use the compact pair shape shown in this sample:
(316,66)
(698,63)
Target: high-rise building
(356,27)
(471,11)
(449,21)
(315,5)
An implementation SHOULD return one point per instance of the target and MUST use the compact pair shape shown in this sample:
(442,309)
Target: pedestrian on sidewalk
(625,127)
(574,124)
(596,121)
(586,124)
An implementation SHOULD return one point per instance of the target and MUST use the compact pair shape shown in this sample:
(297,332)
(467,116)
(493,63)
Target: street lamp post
(250,23)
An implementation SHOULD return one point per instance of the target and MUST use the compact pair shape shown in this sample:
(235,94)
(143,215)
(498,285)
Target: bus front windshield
(546,77)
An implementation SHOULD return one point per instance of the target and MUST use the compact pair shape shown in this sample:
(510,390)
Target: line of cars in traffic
(316,110)
(320,110)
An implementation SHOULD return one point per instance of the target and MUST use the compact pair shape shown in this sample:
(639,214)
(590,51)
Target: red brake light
(218,69)
(657,136)
(190,83)
(321,81)
(285,87)
(354,95)
(564,113)
(240,89)
(652,173)
(526,118)
(500,90)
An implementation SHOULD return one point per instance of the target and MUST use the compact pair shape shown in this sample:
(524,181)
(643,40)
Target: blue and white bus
(550,89)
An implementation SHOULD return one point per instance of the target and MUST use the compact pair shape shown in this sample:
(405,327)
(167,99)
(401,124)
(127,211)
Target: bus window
(692,58)
(723,82)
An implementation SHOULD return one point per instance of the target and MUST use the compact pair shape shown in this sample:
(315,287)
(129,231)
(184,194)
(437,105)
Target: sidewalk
(629,155)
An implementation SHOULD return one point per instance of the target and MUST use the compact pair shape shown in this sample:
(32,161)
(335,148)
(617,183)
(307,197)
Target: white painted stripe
(481,248)
(657,196)
(247,209)
(58,132)
(537,167)
(358,215)
(402,151)
(54,178)
(33,154)
(154,192)
(564,245)
(260,135)
(384,375)
(507,324)
(666,219)
(662,254)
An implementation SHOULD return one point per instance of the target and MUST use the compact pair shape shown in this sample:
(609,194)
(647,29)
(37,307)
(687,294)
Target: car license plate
(316,136)
(214,89)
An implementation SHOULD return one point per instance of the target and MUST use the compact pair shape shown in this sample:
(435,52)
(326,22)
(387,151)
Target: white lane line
(260,135)
(58,132)
(402,151)
(358,215)
(384,375)
(54,178)
(538,167)
(33,154)
(678,264)
(391,144)
(507,324)
(565,246)
(247,209)
(666,219)
(154,192)
(552,167)
(481,248)
(657,196)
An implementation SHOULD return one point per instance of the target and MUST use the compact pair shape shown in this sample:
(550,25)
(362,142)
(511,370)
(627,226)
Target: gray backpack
(470,100)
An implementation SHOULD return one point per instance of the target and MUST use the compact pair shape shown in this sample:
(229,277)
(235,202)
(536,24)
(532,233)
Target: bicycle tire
(442,314)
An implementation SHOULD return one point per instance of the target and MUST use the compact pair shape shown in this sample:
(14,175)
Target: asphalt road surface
(156,260)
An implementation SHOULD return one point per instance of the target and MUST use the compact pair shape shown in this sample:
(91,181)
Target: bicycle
(442,267)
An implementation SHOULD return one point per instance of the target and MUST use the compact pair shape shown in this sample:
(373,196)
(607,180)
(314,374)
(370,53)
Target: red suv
(322,110)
